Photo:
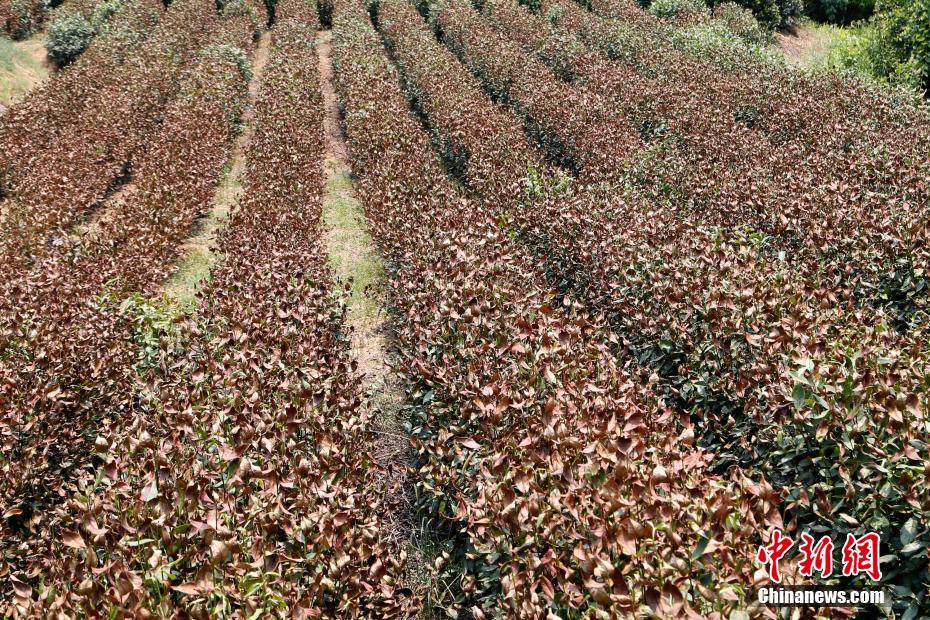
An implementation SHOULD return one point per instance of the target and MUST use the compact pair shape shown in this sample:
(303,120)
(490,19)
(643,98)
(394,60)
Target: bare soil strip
(199,249)
(356,263)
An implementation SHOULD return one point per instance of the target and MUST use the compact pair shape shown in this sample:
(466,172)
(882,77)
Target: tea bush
(670,9)
(69,34)
(21,18)
(741,22)
(104,11)
(773,14)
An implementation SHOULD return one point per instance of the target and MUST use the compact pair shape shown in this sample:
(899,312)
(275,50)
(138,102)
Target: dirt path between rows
(802,45)
(355,260)
(198,251)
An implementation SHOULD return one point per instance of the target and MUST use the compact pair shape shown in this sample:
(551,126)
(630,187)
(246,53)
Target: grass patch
(200,254)
(22,66)
(853,51)
(351,252)
(183,285)
(826,46)
(846,50)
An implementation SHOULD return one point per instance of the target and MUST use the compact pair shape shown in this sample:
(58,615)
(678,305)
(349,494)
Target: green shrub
(839,11)
(772,14)
(789,11)
(716,41)
(899,42)
(671,9)
(766,11)
(848,51)
(324,9)
(104,11)
(69,34)
(892,47)
(741,22)
(155,322)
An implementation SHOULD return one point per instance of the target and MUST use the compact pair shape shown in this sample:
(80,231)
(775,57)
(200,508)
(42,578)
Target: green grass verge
(839,47)
(22,66)
(351,251)
(200,254)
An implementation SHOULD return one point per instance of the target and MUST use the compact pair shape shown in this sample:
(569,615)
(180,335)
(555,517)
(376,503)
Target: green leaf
(909,531)
(911,548)
(701,546)
(140,542)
